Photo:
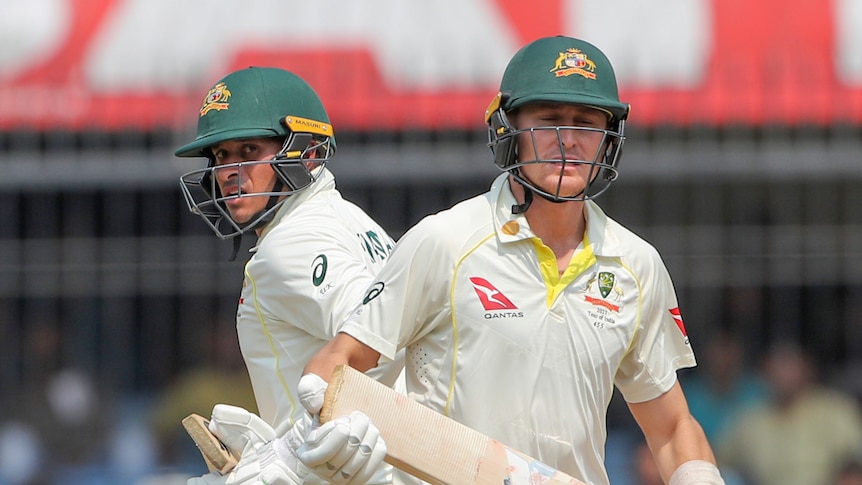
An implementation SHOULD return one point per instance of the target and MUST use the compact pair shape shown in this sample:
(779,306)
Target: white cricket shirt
(499,341)
(309,270)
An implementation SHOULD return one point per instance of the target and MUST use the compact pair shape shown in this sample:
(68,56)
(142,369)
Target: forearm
(672,433)
(686,443)
(343,349)
(686,458)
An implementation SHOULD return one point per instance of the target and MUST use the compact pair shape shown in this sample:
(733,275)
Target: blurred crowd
(64,429)
(775,418)
(772,419)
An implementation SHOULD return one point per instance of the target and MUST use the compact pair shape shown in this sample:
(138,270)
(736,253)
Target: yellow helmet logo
(216,99)
(573,61)
(305,125)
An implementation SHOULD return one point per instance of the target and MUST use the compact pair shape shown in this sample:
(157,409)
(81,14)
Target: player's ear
(314,150)
(312,154)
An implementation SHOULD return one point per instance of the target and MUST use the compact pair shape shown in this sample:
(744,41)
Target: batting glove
(347,450)
(264,459)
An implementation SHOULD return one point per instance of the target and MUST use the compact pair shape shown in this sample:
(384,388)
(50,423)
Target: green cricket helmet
(257,102)
(558,70)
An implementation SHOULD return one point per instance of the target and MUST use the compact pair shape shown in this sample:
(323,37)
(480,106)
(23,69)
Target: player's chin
(245,205)
(568,187)
(241,215)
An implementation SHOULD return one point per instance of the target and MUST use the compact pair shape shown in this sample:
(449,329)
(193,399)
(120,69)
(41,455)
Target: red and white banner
(393,64)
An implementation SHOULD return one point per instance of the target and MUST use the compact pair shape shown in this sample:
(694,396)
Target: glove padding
(347,450)
(312,393)
(264,459)
(264,467)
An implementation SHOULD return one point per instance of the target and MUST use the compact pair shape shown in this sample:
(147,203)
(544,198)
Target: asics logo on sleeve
(318,269)
(373,292)
(491,297)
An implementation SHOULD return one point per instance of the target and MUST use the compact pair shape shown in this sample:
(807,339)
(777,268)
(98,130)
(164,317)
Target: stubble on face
(549,146)
(248,178)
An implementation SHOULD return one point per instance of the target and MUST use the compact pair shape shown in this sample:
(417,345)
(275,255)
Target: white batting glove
(264,459)
(344,451)
(347,450)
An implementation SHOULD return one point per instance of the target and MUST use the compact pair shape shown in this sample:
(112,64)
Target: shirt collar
(325,181)
(514,227)
(509,227)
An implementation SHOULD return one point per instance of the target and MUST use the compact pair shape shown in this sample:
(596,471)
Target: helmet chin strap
(528,195)
(237,242)
(263,221)
(528,200)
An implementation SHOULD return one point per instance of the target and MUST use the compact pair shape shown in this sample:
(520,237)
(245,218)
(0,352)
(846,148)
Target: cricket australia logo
(216,99)
(493,300)
(606,284)
(574,61)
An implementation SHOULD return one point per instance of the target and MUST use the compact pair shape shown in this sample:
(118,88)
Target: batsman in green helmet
(570,151)
(266,136)
(266,139)
(530,305)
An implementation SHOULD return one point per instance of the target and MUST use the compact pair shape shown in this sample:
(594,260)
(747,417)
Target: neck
(560,225)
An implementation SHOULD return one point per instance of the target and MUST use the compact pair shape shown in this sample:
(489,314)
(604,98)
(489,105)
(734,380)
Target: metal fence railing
(100,243)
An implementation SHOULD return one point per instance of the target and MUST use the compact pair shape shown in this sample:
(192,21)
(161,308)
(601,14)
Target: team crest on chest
(608,292)
(606,283)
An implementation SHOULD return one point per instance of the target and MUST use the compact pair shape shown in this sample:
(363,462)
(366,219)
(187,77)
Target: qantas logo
(491,298)
(677,317)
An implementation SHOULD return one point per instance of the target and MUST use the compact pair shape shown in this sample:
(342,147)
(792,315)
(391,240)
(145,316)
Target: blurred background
(741,165)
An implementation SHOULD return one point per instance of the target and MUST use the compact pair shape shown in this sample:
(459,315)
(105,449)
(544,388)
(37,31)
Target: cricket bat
(216,455)
(429,445)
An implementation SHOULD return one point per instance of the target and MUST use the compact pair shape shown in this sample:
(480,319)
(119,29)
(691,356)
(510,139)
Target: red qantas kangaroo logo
(492,298)
(677,317)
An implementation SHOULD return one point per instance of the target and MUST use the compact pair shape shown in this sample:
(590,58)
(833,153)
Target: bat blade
(429,445)
(216,455)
